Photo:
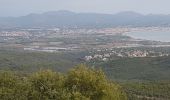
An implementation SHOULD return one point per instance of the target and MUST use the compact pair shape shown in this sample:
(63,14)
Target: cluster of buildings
(105,56)
(14,33)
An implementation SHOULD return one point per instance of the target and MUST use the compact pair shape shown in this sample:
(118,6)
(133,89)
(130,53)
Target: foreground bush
(81,83)
(13,87)
(92,84)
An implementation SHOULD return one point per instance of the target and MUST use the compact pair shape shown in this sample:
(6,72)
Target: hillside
(139,78)
(121,69)
(33,61)
(137,68)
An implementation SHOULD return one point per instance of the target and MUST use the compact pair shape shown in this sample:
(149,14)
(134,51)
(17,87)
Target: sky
(24,7)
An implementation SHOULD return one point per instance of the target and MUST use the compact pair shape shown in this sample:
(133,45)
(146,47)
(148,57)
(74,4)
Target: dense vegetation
(148,78)
(80,83)
(147,68)
(34,61)
(148,90)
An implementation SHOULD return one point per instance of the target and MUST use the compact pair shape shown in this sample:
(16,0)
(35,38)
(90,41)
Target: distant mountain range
(71,19)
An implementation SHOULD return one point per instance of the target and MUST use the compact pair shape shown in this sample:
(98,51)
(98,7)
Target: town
(111,54)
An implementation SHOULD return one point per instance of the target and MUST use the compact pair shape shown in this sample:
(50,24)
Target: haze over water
(163,36)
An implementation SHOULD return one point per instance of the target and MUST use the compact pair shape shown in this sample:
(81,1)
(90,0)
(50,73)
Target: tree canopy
(80,83)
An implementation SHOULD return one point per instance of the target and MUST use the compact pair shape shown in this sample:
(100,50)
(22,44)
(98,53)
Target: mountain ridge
(65,18)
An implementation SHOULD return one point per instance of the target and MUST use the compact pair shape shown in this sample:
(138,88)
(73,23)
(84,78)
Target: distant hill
(71,19)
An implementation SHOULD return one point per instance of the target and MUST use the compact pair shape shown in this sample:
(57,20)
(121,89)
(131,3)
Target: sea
(161,35)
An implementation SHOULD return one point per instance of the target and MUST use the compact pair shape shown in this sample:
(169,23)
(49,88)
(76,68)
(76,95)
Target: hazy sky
(23,7)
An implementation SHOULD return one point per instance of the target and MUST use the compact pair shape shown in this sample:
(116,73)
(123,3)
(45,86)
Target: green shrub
(93,84)
(47,85)
(13,87)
